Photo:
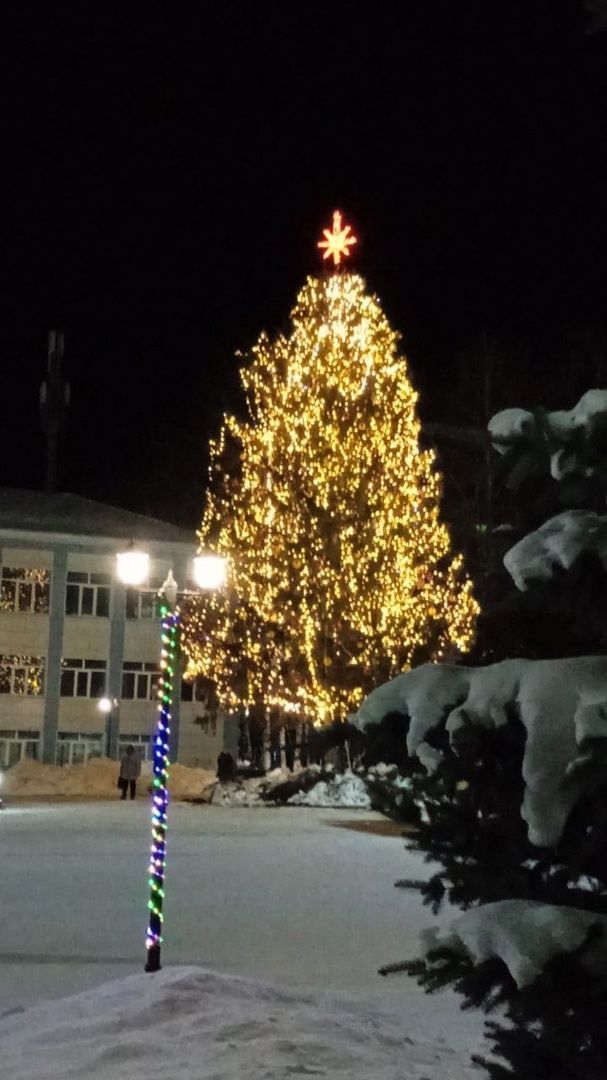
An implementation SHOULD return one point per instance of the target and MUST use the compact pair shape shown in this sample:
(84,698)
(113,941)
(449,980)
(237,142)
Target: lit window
(25,589)
(22,675)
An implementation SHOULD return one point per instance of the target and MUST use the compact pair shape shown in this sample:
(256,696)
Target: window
(22,675)
(77,747)
(142,745)
(142,603)
(25,589)
(139,680)
(16,745)
(83,678)
(197,690)
(87,594)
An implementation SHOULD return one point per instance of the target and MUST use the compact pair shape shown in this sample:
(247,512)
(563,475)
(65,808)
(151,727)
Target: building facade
(72,634)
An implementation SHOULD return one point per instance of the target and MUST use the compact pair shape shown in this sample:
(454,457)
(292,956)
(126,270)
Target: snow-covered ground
(188,1024)
(277,895)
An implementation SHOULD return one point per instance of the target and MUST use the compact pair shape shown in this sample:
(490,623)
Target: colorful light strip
(160,795)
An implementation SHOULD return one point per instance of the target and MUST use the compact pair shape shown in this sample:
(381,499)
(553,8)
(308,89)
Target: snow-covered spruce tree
(514,809)
(327,509)
(514,816)
(551,480)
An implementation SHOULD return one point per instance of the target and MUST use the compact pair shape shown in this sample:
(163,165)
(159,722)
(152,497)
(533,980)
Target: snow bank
(346,790)
(185,1023)
(562,705)
(186,783)
(248,791)
(524,934)
(343,790)
(557,543)
(237,793)
(95,780)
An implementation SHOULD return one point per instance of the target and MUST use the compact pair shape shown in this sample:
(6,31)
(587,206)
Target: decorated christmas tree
(327,508)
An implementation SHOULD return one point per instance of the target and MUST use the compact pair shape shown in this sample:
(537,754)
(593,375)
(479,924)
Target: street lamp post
(106,706)
(209,574)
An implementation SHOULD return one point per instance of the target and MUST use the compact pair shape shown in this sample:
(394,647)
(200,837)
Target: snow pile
(561,703)
(345,790)
(237,793)
(248,791)
(557,543)
(185,1023)
(95,780)
(187,783)
(524,934)
(278,776)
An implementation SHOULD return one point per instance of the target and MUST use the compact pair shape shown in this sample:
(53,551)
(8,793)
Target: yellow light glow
(210,571)
(341,573)
(337,240)
(133,566)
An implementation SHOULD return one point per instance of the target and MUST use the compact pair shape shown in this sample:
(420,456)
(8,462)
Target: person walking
(130,768)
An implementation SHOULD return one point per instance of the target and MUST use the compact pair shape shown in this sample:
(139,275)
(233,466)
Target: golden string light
(341,572)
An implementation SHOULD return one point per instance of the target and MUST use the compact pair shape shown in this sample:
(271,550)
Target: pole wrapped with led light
(170,616)
(210,572)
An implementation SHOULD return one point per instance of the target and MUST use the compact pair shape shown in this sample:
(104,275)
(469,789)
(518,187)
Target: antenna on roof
(54,401)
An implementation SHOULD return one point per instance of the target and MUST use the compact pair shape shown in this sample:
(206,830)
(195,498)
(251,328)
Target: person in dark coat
(226,768)
(257,727)
(130,768)
(275,726)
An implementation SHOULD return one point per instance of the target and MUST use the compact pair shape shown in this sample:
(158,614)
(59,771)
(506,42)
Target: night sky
(168,169)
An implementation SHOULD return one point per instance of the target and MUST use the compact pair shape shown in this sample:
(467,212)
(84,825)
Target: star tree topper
(337,240)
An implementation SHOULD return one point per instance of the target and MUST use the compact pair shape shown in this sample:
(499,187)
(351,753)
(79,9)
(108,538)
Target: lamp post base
(153,963)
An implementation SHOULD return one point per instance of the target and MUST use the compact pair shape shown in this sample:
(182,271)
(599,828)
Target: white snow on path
(272,894)
(189,1024)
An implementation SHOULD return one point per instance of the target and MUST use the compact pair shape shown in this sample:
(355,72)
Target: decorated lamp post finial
(337,240)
